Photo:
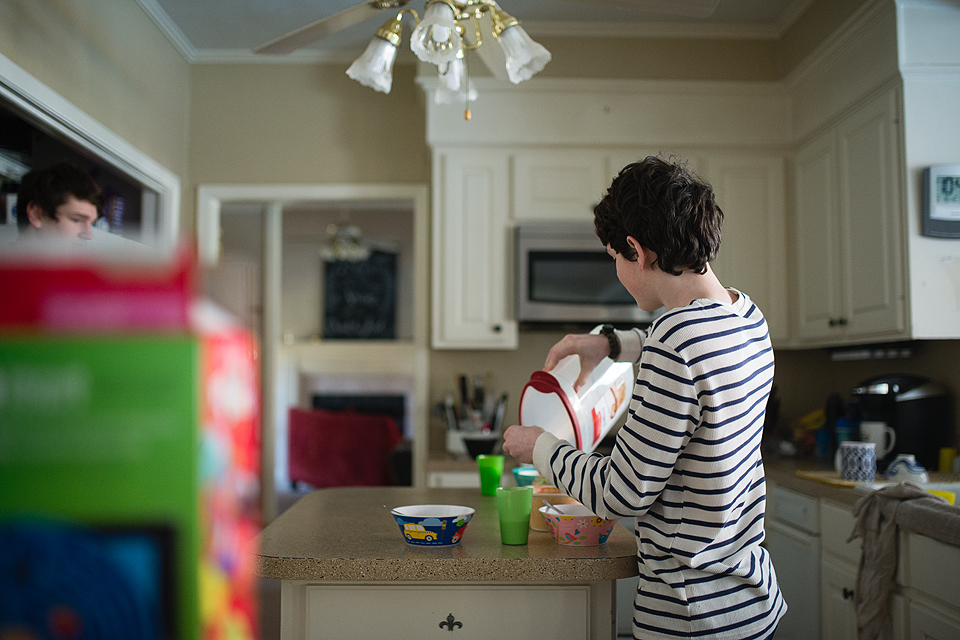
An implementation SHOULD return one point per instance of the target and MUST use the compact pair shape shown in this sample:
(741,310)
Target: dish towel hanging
(876,525)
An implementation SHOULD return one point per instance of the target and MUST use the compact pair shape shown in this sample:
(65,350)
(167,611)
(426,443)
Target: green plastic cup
(513,505)
(491,469)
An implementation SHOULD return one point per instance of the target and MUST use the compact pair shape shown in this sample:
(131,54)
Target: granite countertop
(348,534)
(928,516)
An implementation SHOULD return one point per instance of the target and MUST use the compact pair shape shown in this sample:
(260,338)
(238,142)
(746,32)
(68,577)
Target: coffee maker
(918,409)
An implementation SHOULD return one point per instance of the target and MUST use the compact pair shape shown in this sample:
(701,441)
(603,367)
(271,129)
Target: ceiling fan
(446,30)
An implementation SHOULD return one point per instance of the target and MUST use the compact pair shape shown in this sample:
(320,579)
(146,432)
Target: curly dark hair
(51,187)
(668,209)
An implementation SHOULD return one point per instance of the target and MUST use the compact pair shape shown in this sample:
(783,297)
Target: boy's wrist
(610,333)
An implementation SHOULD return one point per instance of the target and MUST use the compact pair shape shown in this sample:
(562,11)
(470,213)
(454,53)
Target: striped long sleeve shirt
(686,467)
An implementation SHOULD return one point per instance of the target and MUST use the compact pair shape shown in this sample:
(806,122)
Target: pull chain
(465,87)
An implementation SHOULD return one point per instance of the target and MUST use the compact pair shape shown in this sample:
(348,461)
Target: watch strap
(608,331)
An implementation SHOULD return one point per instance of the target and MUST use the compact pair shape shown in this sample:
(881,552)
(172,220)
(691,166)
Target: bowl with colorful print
(432,525)
(575,524)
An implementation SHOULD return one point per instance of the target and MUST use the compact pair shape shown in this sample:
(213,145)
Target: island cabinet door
(415,612)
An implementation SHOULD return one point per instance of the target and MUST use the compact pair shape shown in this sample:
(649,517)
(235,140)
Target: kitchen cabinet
(472,251)
(838,571)
(793,541)
(750,190)
(475,215)
(849,248)
(930,574)
(558,185)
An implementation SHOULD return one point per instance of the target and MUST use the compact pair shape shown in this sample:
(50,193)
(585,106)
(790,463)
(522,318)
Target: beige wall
(110,60)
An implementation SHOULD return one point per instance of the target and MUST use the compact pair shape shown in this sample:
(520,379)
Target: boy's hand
(519,441)
(590,347)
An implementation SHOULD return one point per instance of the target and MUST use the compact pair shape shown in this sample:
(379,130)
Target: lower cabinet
(928,624)
(793,541)
(838,613)
(930,573)
(838,573)
(343,611)
(809,541)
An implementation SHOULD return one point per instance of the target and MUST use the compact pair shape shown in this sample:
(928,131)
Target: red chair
(341,448)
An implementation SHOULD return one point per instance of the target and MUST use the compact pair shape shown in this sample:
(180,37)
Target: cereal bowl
(576,525)
(432,525)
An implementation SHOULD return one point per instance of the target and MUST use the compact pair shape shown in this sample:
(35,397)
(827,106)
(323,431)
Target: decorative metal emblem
(451,623)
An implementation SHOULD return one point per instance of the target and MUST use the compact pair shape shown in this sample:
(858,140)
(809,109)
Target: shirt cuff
(631,344)
(543,450)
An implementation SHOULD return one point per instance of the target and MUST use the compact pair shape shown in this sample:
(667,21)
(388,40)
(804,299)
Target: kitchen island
(347,572)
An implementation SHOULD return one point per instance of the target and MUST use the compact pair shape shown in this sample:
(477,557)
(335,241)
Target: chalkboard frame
(360,298)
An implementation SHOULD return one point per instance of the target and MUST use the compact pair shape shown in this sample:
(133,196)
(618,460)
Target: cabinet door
(839,621)
(472,251)
(869,156)
(817,241)
(796,559)
(750,190)
(927,624)
(559,184)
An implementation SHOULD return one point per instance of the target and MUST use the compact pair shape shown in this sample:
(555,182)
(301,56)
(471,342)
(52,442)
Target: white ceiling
(228,30)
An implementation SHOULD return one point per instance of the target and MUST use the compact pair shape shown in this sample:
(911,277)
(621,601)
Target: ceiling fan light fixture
(524,56)
(437,38)
(454,86)
(374,68)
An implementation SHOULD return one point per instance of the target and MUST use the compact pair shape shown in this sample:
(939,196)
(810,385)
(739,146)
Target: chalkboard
(360,298)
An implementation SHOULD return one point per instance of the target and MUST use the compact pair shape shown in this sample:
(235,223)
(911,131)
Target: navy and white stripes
(686,466)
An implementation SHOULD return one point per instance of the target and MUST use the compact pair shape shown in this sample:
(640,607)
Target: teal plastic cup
(491,469)
(513,506)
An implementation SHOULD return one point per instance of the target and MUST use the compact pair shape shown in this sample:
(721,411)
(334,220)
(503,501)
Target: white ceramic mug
(879,434)
(858,461)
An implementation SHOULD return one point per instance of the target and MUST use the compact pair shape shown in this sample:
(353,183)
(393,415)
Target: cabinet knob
(497,328)
(451,623)
(847,594)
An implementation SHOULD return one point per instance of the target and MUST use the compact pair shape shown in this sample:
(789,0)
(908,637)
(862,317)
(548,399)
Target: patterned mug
(858,461)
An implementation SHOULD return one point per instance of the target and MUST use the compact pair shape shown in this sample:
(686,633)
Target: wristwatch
(608,331)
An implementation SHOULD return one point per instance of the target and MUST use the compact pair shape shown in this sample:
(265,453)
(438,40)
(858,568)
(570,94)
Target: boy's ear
(645,257)
(35,215)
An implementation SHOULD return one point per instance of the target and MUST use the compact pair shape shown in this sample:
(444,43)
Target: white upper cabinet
(874,107)
(547,151)
(849,245)
(750,190)
(472,245)
(554,185)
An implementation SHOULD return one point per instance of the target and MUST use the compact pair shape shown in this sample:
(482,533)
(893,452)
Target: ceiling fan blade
(686,8)
(308,34)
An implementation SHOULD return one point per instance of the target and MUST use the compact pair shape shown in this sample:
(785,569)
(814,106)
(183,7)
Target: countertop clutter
(932,517)
(348,534)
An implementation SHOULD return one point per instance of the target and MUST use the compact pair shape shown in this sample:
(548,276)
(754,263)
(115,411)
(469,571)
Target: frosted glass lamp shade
(436,39)
(524,56)
(451,88)
(374,68)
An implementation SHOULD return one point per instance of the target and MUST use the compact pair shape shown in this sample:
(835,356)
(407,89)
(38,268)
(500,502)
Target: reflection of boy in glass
(60,201)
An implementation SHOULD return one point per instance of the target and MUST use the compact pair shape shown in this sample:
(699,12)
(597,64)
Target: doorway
(264,245)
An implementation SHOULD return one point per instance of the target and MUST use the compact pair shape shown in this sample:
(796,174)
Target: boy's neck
(679,291)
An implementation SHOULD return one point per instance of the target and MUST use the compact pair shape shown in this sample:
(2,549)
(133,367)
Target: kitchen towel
(876,525)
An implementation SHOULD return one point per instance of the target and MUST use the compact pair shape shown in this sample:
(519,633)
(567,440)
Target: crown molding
(651,30)
(169,29)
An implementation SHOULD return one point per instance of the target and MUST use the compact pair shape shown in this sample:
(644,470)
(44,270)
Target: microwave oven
(565,275)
